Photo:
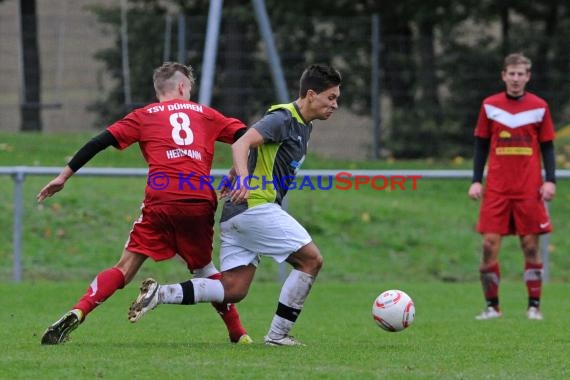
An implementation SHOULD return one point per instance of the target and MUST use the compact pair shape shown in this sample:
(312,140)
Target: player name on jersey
(175,153)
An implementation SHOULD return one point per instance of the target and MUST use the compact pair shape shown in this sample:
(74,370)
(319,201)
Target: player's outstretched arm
(83,155)
(55,184)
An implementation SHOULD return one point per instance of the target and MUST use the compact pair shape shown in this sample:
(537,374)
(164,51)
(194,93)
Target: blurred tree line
(438,59)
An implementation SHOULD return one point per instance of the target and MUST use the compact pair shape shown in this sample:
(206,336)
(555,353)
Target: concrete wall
(69,36)
(71,78)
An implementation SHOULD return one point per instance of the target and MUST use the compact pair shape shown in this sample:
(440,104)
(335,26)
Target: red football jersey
(177,139)
(515,127)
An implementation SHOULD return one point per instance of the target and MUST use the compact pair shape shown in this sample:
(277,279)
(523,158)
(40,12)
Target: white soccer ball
(393,310)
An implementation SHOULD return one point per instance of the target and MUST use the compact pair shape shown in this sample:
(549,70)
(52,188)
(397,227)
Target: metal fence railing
(19,173)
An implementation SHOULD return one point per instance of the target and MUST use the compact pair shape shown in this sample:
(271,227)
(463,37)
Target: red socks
(229,315)
(112,279)
(491,275)
(533,279)
(490,278)
(102,287)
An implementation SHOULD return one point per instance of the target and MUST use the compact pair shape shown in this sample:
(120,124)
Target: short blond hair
(164,73)
(517,59)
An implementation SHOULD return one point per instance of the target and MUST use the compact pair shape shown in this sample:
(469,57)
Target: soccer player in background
(253,224)
(514,130)
(176,137)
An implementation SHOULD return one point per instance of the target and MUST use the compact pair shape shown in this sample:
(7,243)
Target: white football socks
(170,294)
(293,295)
(205,290)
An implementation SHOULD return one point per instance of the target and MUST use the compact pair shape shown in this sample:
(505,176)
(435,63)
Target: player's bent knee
(315,259)
(318,262)
(235,289)
(308,260)
(235,295)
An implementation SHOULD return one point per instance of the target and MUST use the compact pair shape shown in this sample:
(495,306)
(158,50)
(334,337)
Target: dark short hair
(319,78)
(167,70)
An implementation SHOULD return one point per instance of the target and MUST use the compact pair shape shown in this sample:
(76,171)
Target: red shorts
(507,216)
(186,229)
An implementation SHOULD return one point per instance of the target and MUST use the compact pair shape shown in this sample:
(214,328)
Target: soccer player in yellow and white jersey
(253,224)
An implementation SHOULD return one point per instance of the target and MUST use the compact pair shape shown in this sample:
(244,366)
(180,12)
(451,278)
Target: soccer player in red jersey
(514,131)
(177,139)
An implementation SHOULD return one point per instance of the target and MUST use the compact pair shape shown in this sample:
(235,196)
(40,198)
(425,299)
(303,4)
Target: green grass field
(422,241)
(343,342)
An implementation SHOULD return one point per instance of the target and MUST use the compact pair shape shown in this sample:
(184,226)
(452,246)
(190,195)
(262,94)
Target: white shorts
(264,230)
